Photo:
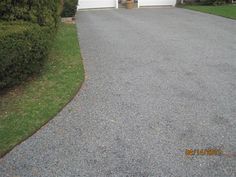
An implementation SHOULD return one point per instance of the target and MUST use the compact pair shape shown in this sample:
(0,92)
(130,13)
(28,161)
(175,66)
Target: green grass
(26,108)
(228,11)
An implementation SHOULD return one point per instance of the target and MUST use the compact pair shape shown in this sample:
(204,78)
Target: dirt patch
(68,20)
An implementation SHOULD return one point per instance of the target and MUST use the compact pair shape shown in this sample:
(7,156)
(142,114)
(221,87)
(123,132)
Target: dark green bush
(26,27)
(212,2)
(69,8)
(23,49)
(43,12)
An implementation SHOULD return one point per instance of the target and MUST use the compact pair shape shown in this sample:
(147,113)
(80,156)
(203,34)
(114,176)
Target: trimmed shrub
(69,8)
(43,12)
(23,49)
(212,2)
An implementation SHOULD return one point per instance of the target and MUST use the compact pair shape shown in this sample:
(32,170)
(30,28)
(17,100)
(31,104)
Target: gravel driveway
(159,81)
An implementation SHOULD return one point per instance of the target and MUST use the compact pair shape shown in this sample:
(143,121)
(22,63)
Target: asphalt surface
(159,81)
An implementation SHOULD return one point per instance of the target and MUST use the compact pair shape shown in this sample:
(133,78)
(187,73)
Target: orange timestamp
(203,152)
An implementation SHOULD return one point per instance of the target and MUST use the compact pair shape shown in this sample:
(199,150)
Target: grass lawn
(228,11)
(26,108)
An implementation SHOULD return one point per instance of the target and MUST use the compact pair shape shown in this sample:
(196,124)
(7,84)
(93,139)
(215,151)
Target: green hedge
(43,12)
(69,8)
(26,27)
(212,2)
(23,49)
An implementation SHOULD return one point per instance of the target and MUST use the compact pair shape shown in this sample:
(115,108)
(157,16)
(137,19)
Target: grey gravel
(158,81)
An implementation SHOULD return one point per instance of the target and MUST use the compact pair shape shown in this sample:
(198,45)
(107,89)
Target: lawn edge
(49,120)
(52,117)
(195,10)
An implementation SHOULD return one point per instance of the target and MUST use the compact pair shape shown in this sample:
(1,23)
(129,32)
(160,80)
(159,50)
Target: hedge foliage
(43,12)
(23,49)
(69,8)
(213,2)
(26,29)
